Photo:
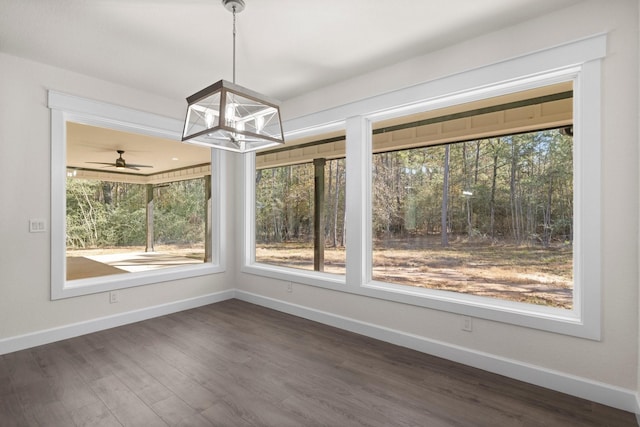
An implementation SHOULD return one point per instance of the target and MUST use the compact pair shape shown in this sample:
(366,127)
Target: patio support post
(149,228)
(207,218)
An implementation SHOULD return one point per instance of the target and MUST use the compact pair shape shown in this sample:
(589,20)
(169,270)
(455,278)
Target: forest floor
(516,273)
(533,275)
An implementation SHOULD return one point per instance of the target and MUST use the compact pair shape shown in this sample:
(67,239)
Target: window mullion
(358,203)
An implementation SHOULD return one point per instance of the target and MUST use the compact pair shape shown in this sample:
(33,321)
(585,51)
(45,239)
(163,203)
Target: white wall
(25,306)
(612,361)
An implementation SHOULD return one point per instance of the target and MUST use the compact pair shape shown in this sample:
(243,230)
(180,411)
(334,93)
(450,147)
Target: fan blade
(138,166)
(102,163)
(131,167)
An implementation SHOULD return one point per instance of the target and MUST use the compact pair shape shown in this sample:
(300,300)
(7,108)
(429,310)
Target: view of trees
(514,189)
(491,217)
(111,214)
(284,203)
(504,204)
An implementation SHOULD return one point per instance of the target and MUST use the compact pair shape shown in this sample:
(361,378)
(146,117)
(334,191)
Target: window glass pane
(179,218)
(285,215)
(488,216)
(134,202)
(107,226)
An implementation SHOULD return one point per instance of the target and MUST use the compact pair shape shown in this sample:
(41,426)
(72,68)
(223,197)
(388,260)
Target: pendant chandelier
(230,117)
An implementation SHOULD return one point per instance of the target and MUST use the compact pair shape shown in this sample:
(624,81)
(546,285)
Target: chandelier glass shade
(231,117)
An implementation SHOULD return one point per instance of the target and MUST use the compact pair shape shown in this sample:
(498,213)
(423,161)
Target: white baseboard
(585,388)
(21,342)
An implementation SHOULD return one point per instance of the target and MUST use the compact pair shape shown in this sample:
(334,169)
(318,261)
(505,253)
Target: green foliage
(179,212)
(85,218)
(108,214)
(285,203)
(516,188)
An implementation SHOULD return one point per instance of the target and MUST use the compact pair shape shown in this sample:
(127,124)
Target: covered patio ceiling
(169,160)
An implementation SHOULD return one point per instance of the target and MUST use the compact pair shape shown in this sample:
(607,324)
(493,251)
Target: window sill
(305,277)
(94,285)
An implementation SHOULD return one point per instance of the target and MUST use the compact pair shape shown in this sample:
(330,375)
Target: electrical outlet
(467,324)
(289,287)
(114,297)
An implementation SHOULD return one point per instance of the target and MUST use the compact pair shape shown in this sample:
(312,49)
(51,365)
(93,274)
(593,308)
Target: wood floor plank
(52,414)
(113,392)
(66,383)
(94,415)
(6,387)
(23,369)
(174,380)
(221,414)
(237,364)
(11,412)
(197,420)
(134,414)
(173,410)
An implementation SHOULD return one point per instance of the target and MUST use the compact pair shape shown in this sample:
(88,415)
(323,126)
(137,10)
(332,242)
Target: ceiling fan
(120,163)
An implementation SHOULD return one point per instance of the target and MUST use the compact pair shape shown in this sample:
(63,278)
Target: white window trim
(579,61)
(67,108)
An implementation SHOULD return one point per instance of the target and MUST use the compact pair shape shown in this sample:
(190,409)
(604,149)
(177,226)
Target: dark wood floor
(237,364)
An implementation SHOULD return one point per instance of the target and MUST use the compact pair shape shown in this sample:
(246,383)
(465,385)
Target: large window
(130,204)
(477,193)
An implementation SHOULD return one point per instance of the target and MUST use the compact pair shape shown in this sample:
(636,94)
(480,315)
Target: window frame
(67,108)
(579,62)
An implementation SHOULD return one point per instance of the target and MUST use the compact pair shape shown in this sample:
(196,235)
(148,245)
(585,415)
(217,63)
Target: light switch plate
(37,225)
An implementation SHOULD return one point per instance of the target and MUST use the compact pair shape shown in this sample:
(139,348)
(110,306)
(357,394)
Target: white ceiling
(285,47)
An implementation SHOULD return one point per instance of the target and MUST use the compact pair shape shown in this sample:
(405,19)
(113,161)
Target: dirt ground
(516,273)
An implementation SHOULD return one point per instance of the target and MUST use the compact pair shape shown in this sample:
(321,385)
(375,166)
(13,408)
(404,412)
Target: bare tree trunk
(492,201)
(469,215)
(274,216)
(475,178)
(515,203)
(546,241)
(329,218)
(445,199)
(344,228)
(106,193)
(336,204)
(465,174)
(89,219)
(465,167)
